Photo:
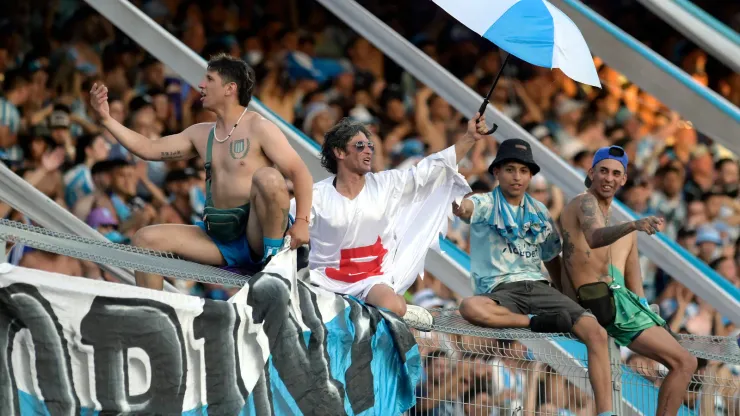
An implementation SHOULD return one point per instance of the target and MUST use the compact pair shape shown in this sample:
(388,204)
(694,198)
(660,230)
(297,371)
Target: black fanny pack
(599,300)
(225,224)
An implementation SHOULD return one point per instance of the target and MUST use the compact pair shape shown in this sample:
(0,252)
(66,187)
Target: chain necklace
(232,129)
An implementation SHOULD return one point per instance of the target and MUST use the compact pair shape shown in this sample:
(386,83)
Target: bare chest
(239,156)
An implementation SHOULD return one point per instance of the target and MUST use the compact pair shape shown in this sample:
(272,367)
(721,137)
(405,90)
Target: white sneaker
(419,318)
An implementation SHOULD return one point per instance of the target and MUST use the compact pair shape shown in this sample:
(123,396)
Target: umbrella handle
(481,110)
(483,106)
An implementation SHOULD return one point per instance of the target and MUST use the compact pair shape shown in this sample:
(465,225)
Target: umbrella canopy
(534,31)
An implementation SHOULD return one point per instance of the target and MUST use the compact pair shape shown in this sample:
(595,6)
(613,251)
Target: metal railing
(469,369)
(472,375)
(703,29)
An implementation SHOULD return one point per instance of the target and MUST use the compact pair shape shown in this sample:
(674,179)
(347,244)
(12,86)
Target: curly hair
(337,138)
(234,70)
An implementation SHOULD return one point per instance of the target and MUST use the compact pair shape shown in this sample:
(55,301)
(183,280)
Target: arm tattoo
(589,211)
(604,236)
(568,247)
(171,155)
(609,235)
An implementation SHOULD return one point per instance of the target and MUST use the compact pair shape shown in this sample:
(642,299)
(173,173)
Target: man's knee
(151,238)
(399,308)
(269,182)
(593,333)
(682,361)
(470,308)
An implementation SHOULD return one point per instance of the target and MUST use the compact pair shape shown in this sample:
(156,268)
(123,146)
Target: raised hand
(477,128)
(51,161)
(99,100)
(458,210)
(649,225)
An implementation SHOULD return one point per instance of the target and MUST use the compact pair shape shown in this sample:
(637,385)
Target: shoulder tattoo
(588,210)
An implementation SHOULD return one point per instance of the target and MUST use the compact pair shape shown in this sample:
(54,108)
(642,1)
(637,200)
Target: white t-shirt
(383,234)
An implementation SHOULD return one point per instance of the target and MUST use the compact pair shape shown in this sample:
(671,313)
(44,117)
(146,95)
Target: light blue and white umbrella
(534,31)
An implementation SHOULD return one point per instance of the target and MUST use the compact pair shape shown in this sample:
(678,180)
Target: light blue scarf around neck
(530,223)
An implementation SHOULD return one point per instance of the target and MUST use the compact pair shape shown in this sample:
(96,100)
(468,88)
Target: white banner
(73,346)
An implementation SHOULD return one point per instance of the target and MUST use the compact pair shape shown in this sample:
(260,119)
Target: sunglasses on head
(360,146)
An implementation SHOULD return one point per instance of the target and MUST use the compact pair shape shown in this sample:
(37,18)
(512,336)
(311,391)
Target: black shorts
(534,297)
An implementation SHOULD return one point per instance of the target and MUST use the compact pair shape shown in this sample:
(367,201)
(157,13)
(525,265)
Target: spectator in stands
(602,264)
(15,93)
(318,121)
(78,181)
(103,221)
(245,235)
(506,265)
(179,184)
(709,242)
(347,154)
(667,201)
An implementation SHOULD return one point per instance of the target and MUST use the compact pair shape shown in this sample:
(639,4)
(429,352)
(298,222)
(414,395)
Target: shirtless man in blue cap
(602,265)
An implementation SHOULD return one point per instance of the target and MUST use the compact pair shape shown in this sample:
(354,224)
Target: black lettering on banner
(23,307)
(301,369)
(112,326)
(262,394)
(359,376)
(218,325)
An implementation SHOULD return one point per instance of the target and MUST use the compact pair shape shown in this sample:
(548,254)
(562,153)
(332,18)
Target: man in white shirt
(370,231)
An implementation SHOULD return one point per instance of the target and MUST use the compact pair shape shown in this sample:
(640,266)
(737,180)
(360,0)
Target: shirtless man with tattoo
(247,159)
(602,265)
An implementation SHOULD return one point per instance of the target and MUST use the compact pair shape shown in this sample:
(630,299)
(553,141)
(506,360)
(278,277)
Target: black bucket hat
(515,150)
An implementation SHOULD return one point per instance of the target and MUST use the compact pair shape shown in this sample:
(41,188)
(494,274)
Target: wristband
(304,219)
(644,303)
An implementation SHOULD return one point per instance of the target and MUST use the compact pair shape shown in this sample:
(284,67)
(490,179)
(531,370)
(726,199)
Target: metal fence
(468,373)
(470,370)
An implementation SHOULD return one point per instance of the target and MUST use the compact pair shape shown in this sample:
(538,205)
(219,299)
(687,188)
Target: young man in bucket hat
(602,264)
(511,234)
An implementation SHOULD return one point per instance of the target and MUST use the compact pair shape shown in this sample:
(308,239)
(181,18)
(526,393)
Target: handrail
(710,20)
(666,254)
(709,112)
(23,197)
(706,33)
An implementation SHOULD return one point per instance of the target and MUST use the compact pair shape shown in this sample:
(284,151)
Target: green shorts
(632,317)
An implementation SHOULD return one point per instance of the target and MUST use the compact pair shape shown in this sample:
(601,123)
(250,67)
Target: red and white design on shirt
(356,264)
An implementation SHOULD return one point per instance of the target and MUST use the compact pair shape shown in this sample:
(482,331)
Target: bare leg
(384,296)
(270,204)
(588,330)
(659,345)
(482,311)
(187,241)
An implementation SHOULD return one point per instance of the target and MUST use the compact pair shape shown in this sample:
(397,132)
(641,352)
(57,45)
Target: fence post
(3,254)
(615,359)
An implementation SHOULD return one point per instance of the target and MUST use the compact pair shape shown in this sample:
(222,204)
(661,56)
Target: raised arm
(598,234)
(475,132)
(464,210)
(175,147)
(286,160)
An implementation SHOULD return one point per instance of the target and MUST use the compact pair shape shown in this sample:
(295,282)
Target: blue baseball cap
(611,152)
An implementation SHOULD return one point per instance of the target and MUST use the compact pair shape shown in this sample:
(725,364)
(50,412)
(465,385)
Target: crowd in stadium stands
(311,71)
